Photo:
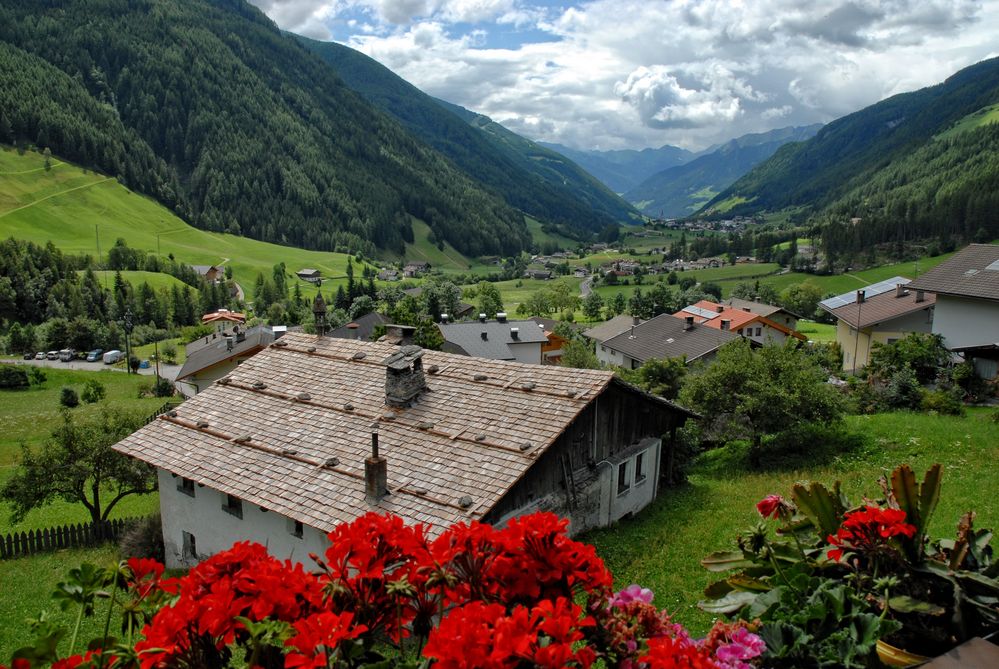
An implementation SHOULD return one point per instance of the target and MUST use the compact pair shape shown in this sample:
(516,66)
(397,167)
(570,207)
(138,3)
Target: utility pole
(128,343)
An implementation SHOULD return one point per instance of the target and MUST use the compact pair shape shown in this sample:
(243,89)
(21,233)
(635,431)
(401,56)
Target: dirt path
(49,197)
(55,164)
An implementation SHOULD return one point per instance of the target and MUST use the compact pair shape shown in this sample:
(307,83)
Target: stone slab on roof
(666,336)
(289,430)
(971,272)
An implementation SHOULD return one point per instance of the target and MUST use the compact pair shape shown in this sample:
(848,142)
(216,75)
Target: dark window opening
(190,547)
(622,478)
(233,505)
(640,468)
(296,528)
(186,486)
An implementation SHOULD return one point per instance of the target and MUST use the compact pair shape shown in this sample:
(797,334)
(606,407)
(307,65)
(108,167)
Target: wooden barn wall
(616,420)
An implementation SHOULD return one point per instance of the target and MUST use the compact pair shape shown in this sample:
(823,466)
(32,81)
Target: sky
(623,74)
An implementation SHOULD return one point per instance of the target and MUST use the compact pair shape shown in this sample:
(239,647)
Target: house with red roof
(753,326)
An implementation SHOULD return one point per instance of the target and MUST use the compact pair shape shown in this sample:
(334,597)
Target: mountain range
(924,163)
(684,189)
(208,107)
(624,169)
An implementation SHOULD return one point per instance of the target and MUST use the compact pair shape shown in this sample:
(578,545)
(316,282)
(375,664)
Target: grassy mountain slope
(625,169)
(852,150)
(682,190)
(77,209)
(518,170)
(208,107)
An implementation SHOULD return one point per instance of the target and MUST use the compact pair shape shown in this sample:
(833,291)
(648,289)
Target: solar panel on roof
(869,292)
(703,313)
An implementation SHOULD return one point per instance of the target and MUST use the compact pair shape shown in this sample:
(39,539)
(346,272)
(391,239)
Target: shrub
(133,364)
(163,388)
(144,539)
(37,375)
(13,377)
(93,391)
(902,391)
(943,402)
(69,398)
(169,350)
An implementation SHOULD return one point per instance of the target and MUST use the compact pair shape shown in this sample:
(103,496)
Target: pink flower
(744,645)
(633,593)
(773,506)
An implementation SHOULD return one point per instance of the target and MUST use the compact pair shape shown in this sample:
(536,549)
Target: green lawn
(516,291)
(29,416)
(156,280)
(977,119)
(75,209)
(27,585)
(817,331)
(147,351)
(662,546)
(541,237)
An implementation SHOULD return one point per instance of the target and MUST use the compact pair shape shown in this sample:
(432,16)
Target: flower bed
(385,596)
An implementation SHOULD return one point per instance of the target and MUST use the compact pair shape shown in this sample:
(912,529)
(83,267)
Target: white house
(967,304)
(210,359)
(315,431)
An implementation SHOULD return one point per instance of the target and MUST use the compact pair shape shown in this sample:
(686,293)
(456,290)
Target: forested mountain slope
(528,176)
(624,169)
(208,107)
(912,166)
(682,190)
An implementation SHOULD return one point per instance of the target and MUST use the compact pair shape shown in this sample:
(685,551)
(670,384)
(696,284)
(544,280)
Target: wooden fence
(18,544)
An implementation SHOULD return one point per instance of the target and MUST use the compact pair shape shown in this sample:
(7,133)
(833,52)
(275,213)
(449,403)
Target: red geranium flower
(869,531)
(773,506)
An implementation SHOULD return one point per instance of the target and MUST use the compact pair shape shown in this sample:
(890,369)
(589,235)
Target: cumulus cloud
(633,73)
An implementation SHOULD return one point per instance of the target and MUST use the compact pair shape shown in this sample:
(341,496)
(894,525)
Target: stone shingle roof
(665,336)
(218,351)
(496,344)
(289,430)
(971,272)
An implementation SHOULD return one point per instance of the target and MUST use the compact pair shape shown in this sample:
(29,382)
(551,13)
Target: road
(586,287)
(166,371)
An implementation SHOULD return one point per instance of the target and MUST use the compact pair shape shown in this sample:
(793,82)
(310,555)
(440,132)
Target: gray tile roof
(883,307)
(611,328)
(217,351)
(468,337)
(289,430)
(665,337)
(971,272)
(365,327)
(758,308)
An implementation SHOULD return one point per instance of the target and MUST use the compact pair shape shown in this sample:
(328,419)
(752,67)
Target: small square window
(623,484)
(759,331)
(233,505)
(296,528)
(186,486)
(640,468)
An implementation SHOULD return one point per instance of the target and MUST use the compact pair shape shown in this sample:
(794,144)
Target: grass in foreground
(27,585)
(662,547)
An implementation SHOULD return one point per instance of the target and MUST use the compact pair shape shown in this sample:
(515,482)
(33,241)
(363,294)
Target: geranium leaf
(743,582)
(906,604)
(728,604)
(822,507)
(726,561)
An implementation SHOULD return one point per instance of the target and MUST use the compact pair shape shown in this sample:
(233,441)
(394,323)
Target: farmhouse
(496,340)
(415,269)
(611,328)
(310,275)
(967,305)
(768,311)
(315,431)
(751,326)
(663,337)
(542,274)
(210,273)
(223,318)
(360,328)
(217,355)
(882,312)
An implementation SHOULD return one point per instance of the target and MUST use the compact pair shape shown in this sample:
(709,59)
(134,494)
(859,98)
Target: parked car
(113,356)
(40,355)
(52,355)
(67,354)
(29,356)
(95,355)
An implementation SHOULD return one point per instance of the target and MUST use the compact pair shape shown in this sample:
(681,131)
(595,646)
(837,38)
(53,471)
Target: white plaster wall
(610,356)
(966,322)
(216,530)
(638,495)
(527,352)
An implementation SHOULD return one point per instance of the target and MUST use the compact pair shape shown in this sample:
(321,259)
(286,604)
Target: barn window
(233,506)
(640,467)
(186,486)
(296,528)
(623,484)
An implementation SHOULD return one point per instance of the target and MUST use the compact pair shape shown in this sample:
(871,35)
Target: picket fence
(18,544)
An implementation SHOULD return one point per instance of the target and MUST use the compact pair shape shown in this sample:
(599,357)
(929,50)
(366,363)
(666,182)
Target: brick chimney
(375,473)
(404,379)
(860,296)
(920,296)
(900,290)
(688,322)
(726,324)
